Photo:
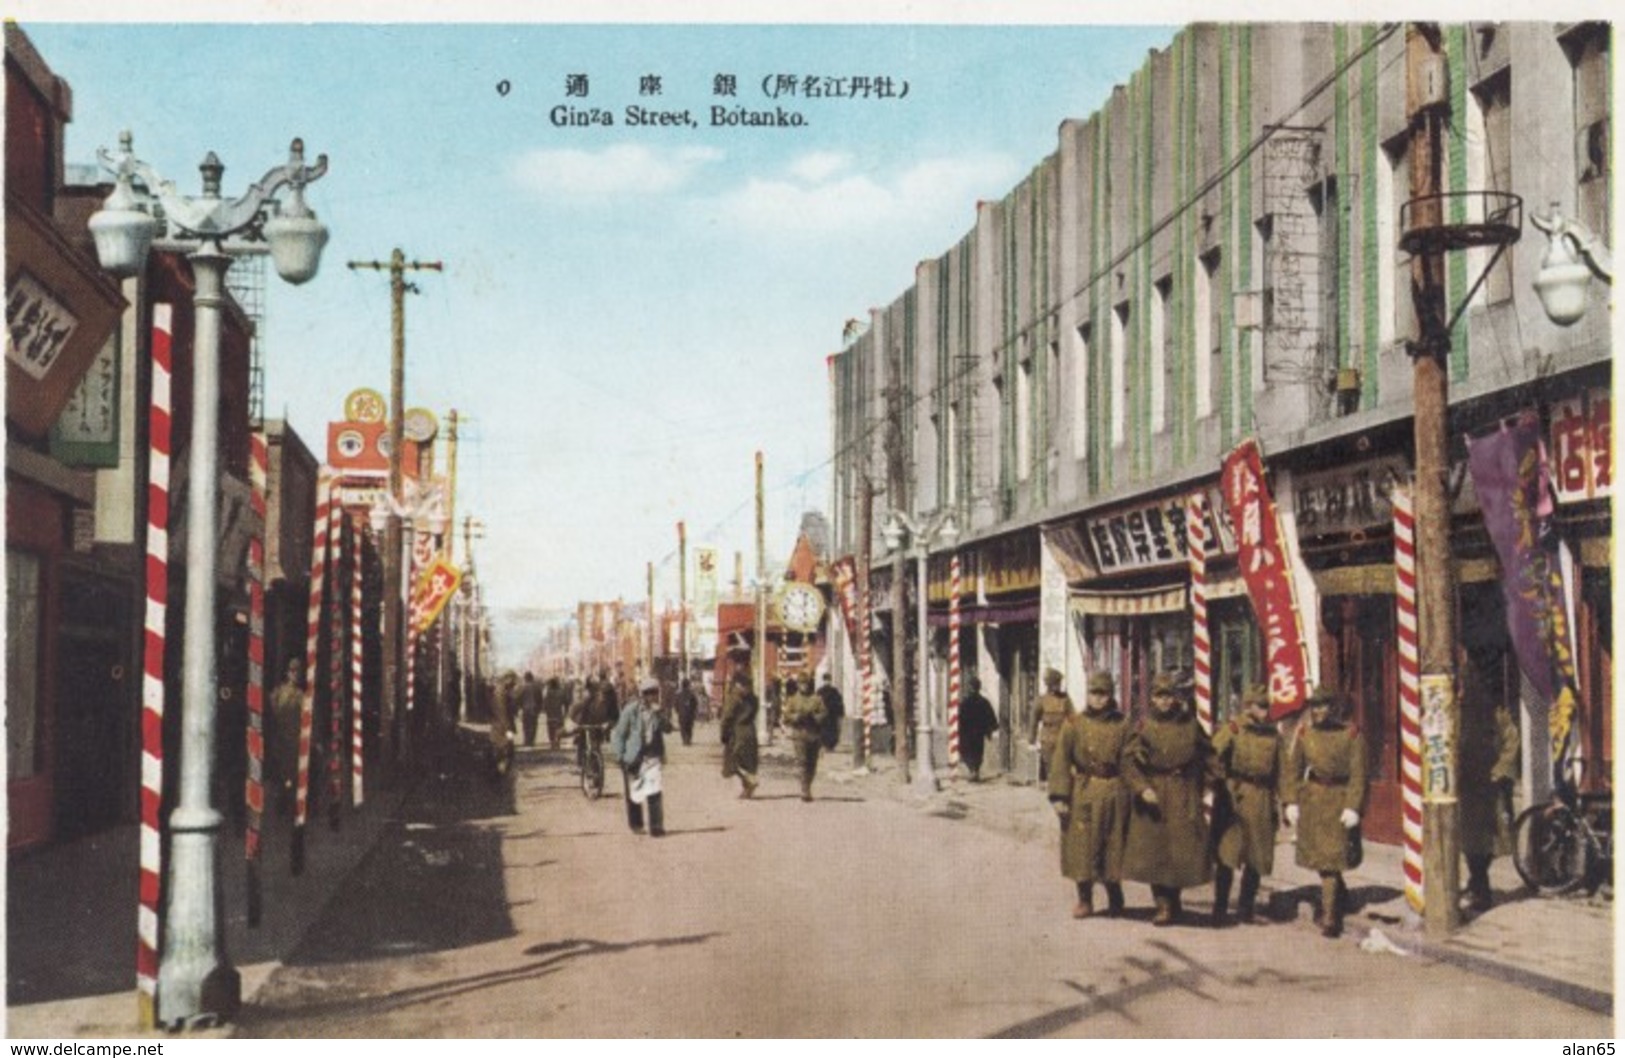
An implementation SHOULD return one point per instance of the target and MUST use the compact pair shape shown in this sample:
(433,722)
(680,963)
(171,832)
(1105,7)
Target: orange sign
(434,588)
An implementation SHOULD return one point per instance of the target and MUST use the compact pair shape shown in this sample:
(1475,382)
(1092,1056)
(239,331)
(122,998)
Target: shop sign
(1268,575)
(1150,535)
(1582,466)
(1347,499)
(38,326)
(434,588)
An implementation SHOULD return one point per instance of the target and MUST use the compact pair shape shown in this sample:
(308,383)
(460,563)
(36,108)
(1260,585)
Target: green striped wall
(1372,154)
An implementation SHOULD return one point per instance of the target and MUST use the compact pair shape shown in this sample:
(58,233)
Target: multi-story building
(1214,256)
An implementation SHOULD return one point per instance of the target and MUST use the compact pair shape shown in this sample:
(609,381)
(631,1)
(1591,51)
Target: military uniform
(1325,781)
(804,716)
(1489,766)
(739,752)
(1170,757)
(1086,776)
(1252,757)
(281,766)
(1052,710)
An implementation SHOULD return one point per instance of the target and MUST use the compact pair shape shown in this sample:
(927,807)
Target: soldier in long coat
(1324,790)
(1052,709)
(1252,756)
(1489,767)
(1166,765)
(739,750)
(804,716)
(1086,788)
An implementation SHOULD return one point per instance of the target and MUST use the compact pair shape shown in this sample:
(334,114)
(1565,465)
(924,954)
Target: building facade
(1214,256)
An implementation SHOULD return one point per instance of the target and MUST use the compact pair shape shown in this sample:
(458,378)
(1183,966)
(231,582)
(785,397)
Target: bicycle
(1562,845)
(591,759)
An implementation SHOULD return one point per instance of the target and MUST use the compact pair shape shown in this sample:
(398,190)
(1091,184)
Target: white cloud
(822,196)
(624,169)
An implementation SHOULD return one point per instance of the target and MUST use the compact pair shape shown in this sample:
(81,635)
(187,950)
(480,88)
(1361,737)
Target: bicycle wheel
(1552,849)
(592,776)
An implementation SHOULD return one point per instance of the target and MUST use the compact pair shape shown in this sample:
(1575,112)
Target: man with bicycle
(593,715)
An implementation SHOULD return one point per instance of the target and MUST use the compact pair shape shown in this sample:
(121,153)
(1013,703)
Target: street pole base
(296,851)
(217,1000)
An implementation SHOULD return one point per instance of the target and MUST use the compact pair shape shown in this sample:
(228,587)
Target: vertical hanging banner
(1269,580)
(1410,692)
(254,794)
(152,671)
(1509,472)
(1196,549)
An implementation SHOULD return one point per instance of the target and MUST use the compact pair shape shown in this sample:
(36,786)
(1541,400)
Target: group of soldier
(1163,803)
(812,719)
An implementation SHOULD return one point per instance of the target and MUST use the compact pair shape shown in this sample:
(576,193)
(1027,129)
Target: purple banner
(1510,476)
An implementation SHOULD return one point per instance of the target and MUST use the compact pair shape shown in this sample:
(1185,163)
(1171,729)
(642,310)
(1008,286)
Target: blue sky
(626,314)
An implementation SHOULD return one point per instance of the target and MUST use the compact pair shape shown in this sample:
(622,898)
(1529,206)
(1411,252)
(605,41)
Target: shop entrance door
(1358,654)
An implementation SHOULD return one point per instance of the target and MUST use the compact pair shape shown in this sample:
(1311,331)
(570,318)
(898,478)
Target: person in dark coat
(834,712)
(977,724)
(1086,787)
(1166,765)
(1252,757)
(1324,790)
(555,701)
(530,707)
(739,747)
(688,706)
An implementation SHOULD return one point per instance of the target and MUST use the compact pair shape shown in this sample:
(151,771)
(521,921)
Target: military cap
(1102,682)
(1257,694)
(1323,696)
(1165,683)
(647,684)
(1051,677)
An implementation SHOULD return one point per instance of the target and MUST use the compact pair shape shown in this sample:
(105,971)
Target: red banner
(1268,575)
(434,588)
(844,572)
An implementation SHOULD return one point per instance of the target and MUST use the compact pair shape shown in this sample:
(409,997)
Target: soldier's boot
(1114,899)
(1221,895)
(1331,919)
(1085,905)
(1479,896)
(1248,894)
(1164,915)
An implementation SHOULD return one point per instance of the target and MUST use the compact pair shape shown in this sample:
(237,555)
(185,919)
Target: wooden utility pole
(649,668)
(682,602)
(451,485)
(763,732)
(394,669)
(897,500)
(1427,106)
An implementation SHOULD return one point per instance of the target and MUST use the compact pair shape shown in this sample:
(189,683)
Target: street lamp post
(943,530)
(197,984)
(1573,256)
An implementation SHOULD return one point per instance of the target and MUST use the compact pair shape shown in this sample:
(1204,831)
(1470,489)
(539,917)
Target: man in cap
(740,753)
(688,707)
(1086,788)
(977,724)
(1252,757)
(1324,789)
(804,716)
(1166,765)
(1049,714)
(639,744)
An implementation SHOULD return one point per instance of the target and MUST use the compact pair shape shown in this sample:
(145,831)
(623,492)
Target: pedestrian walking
(804,717)
(1490,762)
(834,712)
(282,743)
(530,707)
(739,749)
(1324,789)
(977,724)
(501,730)
(1087,789)
(1252,757)
(1050,712)
(1166,764)
(639,744)
(688,706)
(555,702)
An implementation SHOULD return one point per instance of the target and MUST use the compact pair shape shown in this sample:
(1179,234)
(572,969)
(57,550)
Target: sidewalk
(1559,946)
(71,920)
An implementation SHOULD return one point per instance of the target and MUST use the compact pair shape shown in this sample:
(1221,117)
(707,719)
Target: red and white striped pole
(1410,693)
(357,549)
(866,670)
(254,795)
(335,665)
(313,628)
(1196,545)
(953,661)
(152,674)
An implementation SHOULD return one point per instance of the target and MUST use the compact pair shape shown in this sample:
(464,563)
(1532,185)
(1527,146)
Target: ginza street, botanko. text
(634,116)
